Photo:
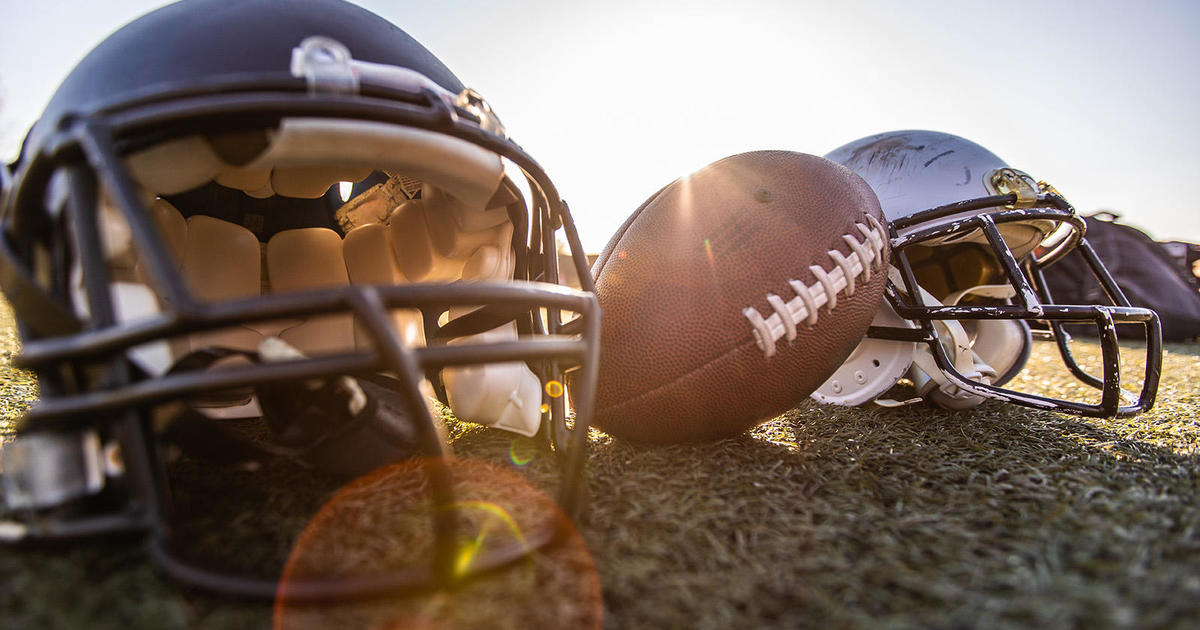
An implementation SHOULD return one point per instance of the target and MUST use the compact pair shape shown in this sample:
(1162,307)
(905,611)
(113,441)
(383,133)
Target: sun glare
(497,518)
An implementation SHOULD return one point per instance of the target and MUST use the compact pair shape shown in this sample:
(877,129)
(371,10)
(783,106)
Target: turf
(997,517)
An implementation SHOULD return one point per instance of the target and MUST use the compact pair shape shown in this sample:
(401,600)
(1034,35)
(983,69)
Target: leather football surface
(733,293)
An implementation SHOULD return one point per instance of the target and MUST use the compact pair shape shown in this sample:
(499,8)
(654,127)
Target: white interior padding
(991,291)
(485,263)
(999,343)
(130,303)
(221,260)
(471,172)
(255,182)
(449,235)
(303,182)
(115,236)
(221,263)
(873,368)
(175,166)
(929,380)
(132,298)
(306,156)
(310,182)
(1020,236)
(447,218)
(491,262)
(172,226)
(174,230)
(305,259)
(416,254)
(468,218)
(1023,236)
(503,395)
(370,260)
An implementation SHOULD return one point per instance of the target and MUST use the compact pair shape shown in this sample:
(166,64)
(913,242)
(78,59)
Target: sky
(616,99)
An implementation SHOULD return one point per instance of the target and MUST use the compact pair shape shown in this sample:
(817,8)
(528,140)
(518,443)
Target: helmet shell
(198,44)
(915,170)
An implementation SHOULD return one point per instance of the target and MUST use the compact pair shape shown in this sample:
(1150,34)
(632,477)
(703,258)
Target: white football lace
(865,255)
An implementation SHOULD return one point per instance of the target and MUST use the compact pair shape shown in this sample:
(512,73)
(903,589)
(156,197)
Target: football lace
(865,255)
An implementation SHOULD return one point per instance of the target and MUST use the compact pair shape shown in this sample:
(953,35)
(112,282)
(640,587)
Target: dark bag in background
(1148,275)
(1187,258)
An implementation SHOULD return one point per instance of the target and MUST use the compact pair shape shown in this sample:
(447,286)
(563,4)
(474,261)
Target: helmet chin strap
(930,381)
(993,291)
(933,384)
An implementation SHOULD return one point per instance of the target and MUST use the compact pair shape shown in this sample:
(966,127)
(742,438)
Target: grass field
(999,517)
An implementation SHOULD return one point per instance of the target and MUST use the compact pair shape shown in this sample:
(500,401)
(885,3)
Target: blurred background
(618,98)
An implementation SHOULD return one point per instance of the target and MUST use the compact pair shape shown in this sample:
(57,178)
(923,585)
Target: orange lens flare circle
(383,522)
(554,389)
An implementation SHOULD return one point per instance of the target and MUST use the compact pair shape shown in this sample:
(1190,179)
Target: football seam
(864,256)
(674,381)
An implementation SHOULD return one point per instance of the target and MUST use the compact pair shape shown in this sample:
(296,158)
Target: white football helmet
(970,236)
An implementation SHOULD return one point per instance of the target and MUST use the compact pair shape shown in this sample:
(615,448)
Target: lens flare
(554,389)
(521,451)
(708,249)
(380,524)
(469,549)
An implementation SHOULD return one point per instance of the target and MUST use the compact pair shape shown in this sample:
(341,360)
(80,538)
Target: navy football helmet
(289,212)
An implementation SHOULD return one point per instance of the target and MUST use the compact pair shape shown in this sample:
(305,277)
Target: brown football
(731,294)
